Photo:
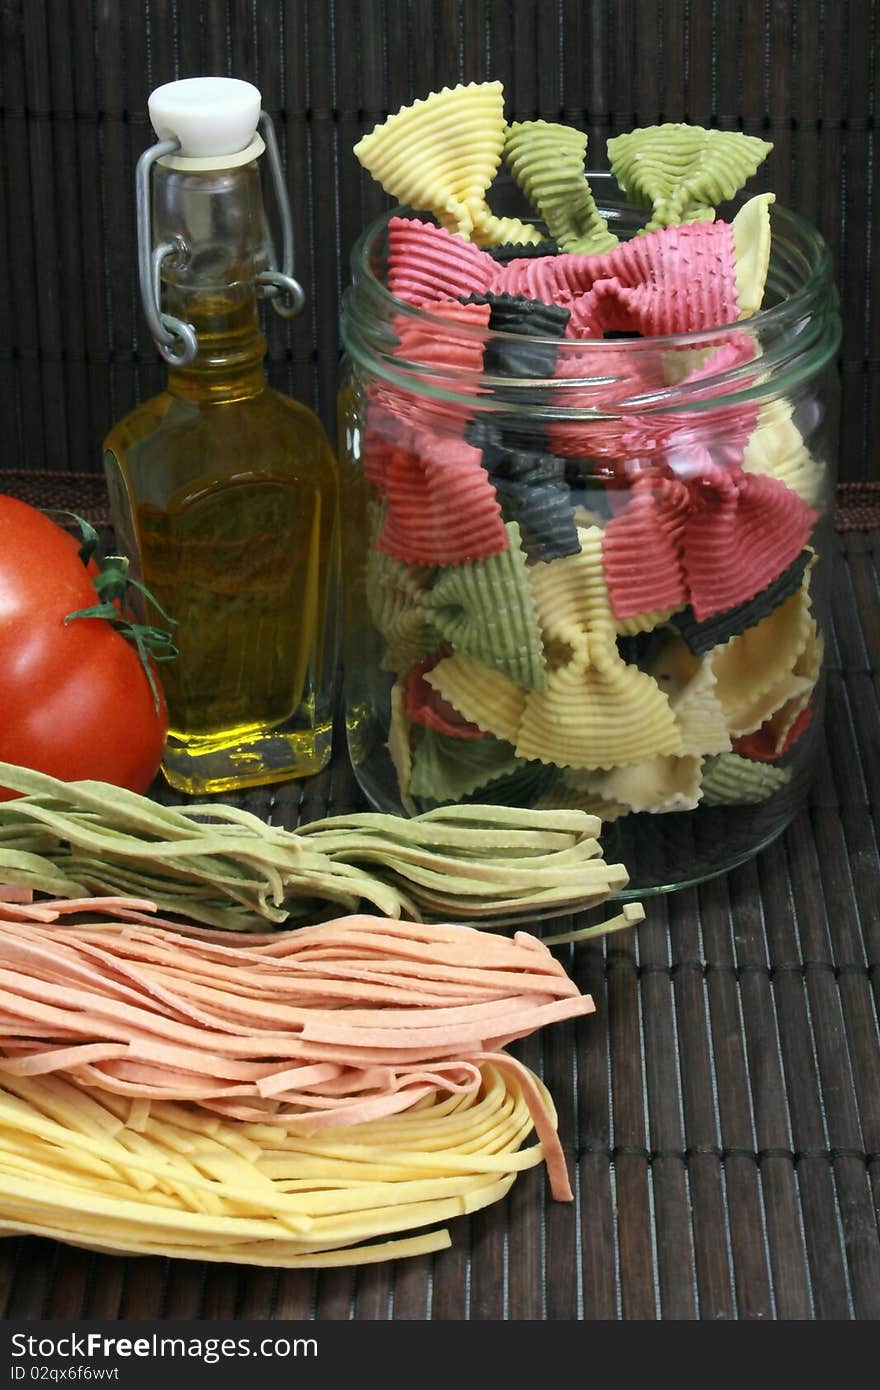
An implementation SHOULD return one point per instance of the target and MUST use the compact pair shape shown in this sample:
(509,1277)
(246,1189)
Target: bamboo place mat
(720,1112)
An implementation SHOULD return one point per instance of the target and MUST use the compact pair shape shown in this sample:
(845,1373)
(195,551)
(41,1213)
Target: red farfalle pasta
(742,530)
(427,263)
(425,705)
(765,746)
(673,280)
(641,548)
(441,508)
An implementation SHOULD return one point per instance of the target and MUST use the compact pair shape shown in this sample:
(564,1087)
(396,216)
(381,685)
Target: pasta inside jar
(586,549)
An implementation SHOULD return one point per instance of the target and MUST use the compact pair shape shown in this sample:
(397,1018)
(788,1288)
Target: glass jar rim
(799,332)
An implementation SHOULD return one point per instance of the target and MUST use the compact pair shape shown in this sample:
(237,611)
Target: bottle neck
(218,217)
(229,364)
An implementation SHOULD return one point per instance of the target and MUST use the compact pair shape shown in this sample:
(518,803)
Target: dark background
(74,79)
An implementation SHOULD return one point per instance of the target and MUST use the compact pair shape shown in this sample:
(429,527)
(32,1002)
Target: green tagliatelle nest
(225,867)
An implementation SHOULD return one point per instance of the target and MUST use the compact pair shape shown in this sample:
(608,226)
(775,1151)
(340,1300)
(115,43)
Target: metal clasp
(175,339)
(280,286)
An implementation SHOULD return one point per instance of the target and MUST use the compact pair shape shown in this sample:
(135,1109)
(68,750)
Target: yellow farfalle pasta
(807,669)
(399,746)
(571,592)
(441,154)
(657,785)
(643,622)
(776,447)
(751,243)
(547,161)
(597,710)
(598,716)
(756,671)
(690,683)
(682,172)
(483,696)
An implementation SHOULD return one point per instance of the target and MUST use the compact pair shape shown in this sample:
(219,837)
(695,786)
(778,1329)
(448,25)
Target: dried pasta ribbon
(547,160)
(441,506)
(91,1170)
(776,447)
(441,154)
(486,610)
(447,769)
(428,263)
(682,172)
(729,780)
(483,696)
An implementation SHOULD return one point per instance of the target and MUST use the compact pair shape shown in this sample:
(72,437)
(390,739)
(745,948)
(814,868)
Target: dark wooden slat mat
(720,1112)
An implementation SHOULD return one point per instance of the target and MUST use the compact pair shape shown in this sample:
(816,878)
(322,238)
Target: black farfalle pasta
(702,637)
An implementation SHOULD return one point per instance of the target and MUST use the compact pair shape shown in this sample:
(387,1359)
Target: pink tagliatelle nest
(330,1025)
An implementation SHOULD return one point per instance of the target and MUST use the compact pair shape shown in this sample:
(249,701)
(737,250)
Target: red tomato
(75,701)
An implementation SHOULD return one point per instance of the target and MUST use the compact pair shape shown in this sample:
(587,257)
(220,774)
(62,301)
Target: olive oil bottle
(223,490)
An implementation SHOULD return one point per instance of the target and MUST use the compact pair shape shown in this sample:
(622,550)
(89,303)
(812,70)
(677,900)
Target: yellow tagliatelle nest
(96,1170)
(440,155)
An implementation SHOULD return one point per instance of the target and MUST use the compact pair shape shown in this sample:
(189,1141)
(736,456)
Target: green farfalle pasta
(396,601)
(682,172)
(447,769)
(730,780)
(486,609)
(547,161)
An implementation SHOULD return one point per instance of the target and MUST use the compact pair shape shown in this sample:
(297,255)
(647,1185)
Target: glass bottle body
(225,492)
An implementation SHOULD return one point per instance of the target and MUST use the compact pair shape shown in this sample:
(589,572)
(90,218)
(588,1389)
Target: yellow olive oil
(225,491)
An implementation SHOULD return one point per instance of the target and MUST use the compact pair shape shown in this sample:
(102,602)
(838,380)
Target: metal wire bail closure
(176,340)
(280,286)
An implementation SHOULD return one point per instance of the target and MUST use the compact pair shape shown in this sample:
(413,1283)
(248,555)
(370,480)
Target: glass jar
(591,572)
